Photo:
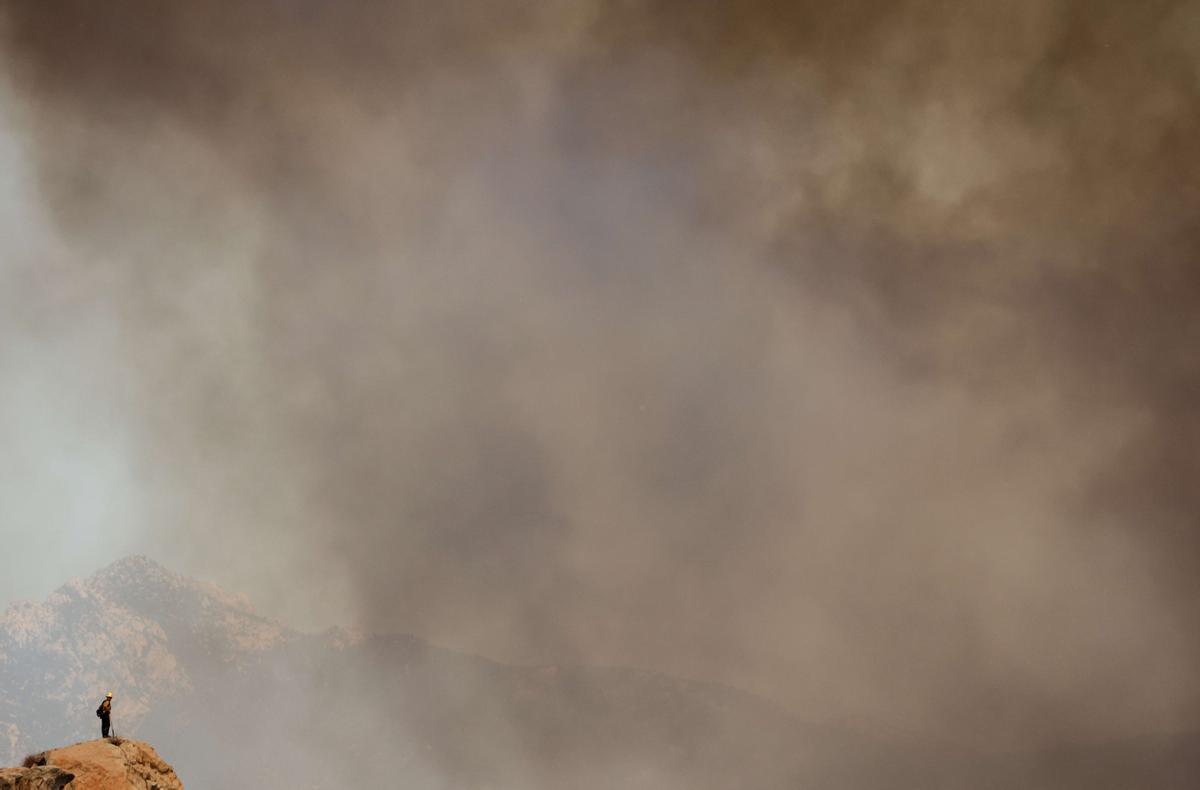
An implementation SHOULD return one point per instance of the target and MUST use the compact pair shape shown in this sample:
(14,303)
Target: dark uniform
(105,714)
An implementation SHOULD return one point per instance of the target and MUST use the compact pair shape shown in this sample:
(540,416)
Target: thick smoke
(842,354)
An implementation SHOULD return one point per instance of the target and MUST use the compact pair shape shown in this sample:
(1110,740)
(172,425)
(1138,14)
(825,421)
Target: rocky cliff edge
(94,765)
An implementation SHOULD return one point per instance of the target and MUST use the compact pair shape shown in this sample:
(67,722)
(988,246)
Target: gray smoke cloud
(844,355)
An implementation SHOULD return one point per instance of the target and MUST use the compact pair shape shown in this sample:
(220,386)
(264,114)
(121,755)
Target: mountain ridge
(218,686)
(163,641)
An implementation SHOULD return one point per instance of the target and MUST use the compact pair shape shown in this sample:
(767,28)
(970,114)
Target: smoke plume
(846,354)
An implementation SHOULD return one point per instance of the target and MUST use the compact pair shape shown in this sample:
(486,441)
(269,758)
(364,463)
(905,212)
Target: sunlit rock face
(116,764)
(108,765)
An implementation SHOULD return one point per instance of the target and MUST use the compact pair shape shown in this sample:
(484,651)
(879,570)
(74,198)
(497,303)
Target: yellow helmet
(108,695)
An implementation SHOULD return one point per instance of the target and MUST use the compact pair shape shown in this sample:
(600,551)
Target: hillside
(198,672)
(236,700)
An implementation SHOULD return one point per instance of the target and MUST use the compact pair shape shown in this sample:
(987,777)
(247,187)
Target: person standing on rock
(105,714)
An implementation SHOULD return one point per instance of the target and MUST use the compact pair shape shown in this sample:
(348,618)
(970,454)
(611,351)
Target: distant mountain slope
(134,628)
(234,700)
(197,670)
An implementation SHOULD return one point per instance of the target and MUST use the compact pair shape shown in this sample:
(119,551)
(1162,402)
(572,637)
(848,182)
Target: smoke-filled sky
(847,353)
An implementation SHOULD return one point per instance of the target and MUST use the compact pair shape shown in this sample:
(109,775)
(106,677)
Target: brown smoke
(843,353)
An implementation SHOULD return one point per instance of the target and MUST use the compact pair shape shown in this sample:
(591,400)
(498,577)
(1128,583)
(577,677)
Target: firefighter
(105,714)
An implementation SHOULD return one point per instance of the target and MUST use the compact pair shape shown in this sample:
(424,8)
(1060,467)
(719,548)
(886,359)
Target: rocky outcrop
(95,765)
(114,765)
(36,778)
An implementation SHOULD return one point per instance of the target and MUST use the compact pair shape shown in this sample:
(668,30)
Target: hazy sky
(848,355)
